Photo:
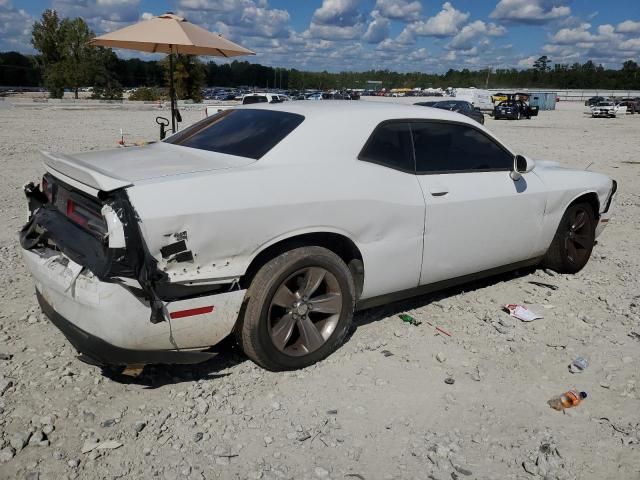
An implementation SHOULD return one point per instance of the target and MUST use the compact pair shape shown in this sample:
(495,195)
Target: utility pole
(486,83)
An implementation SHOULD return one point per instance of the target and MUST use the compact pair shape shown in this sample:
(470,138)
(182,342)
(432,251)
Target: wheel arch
(587,197)
(337,242)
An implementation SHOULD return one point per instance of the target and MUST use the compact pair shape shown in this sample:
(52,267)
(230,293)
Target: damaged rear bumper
(109,325)
(96,351)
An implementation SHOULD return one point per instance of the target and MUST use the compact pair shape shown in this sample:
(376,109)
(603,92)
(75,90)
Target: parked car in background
(594,101)
(251,222)
(477,97)
(607,109)
(458,106)
(632,104)
(514,110)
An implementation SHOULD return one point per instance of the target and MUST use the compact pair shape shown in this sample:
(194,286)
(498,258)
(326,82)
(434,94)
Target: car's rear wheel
(572,245)
(299,308)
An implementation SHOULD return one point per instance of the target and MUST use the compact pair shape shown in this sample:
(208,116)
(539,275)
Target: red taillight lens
(85,217)
(74,212)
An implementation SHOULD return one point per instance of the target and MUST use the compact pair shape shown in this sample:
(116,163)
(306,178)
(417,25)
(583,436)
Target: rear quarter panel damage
(230,216)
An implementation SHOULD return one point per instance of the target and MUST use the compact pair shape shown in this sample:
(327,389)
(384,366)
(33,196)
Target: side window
(448,147)
(390,145)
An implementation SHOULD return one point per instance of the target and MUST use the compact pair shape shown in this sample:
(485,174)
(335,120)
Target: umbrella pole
(172,92)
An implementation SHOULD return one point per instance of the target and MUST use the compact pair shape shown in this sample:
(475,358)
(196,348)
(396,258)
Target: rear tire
(298,309)
(573,242)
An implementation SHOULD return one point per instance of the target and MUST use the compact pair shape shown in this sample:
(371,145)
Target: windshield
(242,132)
(508,103)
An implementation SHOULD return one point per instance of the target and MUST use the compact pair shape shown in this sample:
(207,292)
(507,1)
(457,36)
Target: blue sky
(402,35)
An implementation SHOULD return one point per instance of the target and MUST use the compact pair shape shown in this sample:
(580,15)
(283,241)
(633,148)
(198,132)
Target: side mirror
(521,164)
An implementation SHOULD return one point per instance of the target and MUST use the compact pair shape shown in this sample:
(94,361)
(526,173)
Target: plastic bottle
(567,400)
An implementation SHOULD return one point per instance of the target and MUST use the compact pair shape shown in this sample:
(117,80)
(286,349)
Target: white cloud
(628,26)
(443,24)
(471,33)
(15,28)
(334,32)
(527,62)
(336,19)
(404,10)
(341,13)
(581,34)
(378,28)
(237,18)
(101,15)
(530,11)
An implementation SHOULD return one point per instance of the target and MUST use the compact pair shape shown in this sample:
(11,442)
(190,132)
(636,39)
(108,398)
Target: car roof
(338,129)
(362,111)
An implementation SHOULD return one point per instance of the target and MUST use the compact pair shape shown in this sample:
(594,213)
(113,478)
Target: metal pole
(172,91)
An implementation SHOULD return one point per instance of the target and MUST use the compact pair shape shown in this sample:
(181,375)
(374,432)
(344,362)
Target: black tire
(518,115)
(573,242)
(255,332)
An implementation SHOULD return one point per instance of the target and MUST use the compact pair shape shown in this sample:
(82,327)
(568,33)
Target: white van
(478,98)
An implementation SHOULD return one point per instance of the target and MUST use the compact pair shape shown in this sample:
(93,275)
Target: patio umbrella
(171,34)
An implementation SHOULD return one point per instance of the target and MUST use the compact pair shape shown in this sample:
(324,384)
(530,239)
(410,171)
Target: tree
(79,59)
(105,82)
(189,76)
(542,64)
(47,38)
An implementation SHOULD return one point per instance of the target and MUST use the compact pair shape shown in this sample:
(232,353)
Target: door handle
(438,191)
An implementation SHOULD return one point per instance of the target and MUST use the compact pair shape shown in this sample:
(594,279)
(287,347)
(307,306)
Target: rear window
(242,132)
(250,99)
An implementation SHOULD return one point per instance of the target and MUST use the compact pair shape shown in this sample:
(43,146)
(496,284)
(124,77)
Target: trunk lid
(109,170)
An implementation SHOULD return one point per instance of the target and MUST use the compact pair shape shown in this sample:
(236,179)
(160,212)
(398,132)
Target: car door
(393,220)
(477,217)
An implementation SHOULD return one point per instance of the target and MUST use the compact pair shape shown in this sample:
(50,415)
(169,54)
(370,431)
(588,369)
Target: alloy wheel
(304,311)
(577,240)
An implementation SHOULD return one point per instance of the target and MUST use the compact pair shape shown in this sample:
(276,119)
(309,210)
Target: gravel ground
(379,408)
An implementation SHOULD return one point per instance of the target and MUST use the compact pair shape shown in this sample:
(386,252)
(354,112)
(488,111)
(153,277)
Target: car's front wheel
(299,309)
(572,245)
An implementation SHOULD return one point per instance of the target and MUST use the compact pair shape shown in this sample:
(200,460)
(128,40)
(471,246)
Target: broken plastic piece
(578,365)
(115,229)
(521,313)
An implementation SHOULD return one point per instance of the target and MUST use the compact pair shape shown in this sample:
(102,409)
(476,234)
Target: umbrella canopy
(170,33)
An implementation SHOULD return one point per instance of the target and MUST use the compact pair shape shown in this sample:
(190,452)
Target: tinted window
(254,99)
(446,147)
(390,145)
(245,133)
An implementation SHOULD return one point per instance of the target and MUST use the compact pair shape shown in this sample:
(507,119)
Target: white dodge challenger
(276,222)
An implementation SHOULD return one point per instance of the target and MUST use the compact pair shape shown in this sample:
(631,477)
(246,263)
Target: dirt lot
(378,408)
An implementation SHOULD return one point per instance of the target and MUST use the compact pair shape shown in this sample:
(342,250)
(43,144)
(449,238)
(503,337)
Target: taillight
(86,217)
(47,189)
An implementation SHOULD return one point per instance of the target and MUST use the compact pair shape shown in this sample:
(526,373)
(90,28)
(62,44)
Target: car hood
(111,169)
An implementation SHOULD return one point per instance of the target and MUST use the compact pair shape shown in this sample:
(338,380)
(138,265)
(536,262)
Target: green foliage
(189,76)
(145,94)
(19,70)
(68,60)
(79,59)
(46,38)
(105,83)
(542,64)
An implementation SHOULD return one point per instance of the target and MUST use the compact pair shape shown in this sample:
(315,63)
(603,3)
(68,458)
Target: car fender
(296,233)
(564,187)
